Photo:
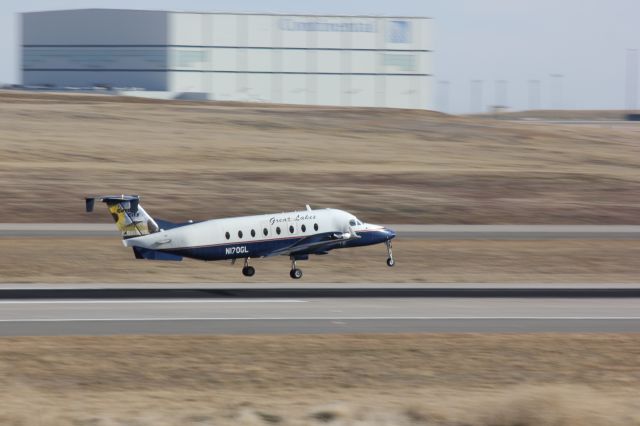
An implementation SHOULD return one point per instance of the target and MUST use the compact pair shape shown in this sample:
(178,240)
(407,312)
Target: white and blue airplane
(295,234)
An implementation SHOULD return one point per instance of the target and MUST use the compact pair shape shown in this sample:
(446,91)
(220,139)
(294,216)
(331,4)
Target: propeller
(353,233)
(349,234)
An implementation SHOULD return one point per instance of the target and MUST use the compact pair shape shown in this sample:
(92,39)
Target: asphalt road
(317,308)
(443,232)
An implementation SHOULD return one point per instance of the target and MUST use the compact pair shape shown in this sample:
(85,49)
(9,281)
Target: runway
(317,308)
(442,232)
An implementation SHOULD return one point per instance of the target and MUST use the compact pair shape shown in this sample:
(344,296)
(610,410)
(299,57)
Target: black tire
(296,274)
(391,262)
(248,271)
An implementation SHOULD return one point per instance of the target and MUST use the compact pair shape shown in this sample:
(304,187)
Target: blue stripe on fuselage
(264,248)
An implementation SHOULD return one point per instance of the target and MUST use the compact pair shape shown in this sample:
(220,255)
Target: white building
(296,59)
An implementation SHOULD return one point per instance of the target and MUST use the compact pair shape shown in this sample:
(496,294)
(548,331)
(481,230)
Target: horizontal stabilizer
(132,200)
(130,218)
(143,253)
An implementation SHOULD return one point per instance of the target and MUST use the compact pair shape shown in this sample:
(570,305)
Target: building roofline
(314,15)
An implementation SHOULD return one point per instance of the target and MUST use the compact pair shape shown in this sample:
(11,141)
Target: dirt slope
(202,160)
(419,379)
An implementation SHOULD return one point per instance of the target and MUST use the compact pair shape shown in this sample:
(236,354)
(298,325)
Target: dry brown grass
(73,260)
(485,380)
(202,160)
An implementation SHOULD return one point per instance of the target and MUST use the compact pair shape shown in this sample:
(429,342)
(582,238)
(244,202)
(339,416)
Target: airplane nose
(391,234)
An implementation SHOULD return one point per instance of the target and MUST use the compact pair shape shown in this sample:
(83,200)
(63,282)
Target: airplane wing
(315,243)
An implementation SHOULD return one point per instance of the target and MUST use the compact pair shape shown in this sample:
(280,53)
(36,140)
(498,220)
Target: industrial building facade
(294,59)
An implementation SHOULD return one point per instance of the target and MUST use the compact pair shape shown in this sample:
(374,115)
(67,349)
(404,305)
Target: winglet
(308,208)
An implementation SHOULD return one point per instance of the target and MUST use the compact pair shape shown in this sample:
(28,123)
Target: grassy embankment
(492,380)
(203,160)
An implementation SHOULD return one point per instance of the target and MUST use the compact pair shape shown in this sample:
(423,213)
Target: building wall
(355,61)
(358,61)
(82,48)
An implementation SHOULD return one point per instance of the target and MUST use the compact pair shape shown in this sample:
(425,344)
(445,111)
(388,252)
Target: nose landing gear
(390,261)
(295,273)
(248,271)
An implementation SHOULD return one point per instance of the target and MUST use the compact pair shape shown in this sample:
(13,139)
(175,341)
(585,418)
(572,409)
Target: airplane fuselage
(296,234)
(265,235)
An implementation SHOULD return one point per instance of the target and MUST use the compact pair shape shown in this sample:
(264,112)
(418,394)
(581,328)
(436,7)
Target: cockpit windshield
(354,222)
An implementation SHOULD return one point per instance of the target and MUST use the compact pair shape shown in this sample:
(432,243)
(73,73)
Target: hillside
(201,160)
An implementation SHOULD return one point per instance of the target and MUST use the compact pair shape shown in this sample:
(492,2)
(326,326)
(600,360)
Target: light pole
(632,80)
(443,95)
(476,101)
(534,94)
(556,90)
(502,94)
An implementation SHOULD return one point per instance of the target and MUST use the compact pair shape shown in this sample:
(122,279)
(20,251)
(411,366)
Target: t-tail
(130,217)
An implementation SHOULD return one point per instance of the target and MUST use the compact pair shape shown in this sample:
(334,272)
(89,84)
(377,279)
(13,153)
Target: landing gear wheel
(390,261)
(248,271)
(295,273)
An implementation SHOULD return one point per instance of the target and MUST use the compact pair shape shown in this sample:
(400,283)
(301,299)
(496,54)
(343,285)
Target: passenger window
(239,234)
(253,233)
(278,230)
(291,229)
(227,235)
(304,228)
(315,226)
(265,231)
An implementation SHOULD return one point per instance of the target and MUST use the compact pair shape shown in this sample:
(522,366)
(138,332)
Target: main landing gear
(248,271)
(295,273)
(390,261)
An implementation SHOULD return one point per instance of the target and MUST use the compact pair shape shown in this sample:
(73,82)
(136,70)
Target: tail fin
(130,217)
